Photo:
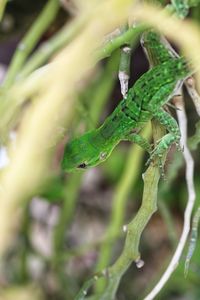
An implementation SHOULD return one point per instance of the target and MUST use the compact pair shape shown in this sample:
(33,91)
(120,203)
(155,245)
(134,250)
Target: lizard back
(135,110)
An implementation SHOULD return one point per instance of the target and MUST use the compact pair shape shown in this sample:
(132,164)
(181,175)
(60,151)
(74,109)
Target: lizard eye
(82,166)
(103,155)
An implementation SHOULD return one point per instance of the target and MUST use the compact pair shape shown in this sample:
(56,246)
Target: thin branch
(191,199)
(190,85)
(132,34)
(127,181)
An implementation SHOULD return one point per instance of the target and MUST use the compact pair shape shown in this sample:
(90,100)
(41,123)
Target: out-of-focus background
(61,239)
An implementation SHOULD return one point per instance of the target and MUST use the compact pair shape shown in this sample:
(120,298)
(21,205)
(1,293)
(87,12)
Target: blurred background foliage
(72,225)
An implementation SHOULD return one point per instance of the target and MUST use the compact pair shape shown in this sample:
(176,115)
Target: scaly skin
(158,51)
(157,48)
(143,101)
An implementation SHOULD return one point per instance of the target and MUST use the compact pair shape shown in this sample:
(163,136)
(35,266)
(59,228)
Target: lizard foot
(156,159)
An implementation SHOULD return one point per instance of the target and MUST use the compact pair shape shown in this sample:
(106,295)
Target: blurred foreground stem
(30,40)
(50,47)
(23,89)
(98,96)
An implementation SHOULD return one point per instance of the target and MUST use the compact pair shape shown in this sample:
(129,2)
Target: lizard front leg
(166,141)
(139,140)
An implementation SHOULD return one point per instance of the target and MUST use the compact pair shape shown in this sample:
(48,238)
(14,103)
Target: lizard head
(86,151)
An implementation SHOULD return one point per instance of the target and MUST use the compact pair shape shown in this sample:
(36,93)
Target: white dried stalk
(190,85)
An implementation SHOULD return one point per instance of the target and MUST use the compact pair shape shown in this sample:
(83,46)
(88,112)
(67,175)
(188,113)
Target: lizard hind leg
(173,136)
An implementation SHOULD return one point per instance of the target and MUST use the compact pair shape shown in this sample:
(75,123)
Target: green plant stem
(2,7)
(27,44)
(135,228)
(132,34)
(128,179)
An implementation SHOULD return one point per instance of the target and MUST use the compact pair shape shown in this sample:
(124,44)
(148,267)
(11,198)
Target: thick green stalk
(134,231)
(132,34)
(128,179)
(30,40)
(135,228)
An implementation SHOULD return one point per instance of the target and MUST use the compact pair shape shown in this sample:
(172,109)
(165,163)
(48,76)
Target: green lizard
(157,48)
(143,102)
